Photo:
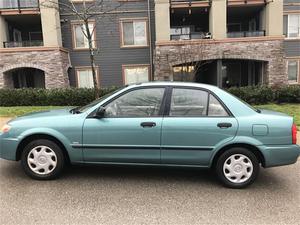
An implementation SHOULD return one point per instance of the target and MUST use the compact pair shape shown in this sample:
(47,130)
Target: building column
(162,20)
(219,73)
(218,19)
(3,31)
(274,18)
(50,23)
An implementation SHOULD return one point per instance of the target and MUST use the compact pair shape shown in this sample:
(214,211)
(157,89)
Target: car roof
(174,83)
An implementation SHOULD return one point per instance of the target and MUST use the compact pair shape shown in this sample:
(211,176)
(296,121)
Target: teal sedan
(155,124)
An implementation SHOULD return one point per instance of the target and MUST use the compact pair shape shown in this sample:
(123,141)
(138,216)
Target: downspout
(150,41)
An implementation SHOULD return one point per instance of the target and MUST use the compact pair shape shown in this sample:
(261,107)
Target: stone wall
(53,61)
(270,51)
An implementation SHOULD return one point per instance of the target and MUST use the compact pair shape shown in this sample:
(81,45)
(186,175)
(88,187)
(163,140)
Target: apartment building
(221,42)
(45,48)
(237,43)
(31,51)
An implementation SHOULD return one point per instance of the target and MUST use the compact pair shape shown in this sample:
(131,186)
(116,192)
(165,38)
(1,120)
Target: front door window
(138,103)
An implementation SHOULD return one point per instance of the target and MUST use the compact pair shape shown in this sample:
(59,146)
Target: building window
(293,25)
(85,77)
(80,40)
(293,70)
(136,74)
(134,33)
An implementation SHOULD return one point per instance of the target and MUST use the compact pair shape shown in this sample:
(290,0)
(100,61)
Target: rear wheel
(42,160)
(237,168)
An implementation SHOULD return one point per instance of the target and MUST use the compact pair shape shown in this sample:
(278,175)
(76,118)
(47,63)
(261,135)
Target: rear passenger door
(195,124)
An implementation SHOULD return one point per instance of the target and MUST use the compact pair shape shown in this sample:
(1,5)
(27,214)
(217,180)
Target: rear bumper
(8,147)
(279,155)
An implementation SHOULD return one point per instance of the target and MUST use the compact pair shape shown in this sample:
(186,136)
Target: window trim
(141,19)
(288,22)
(83,68)
(79,22)
(297,81)
(169,98)
(125,66)
(161,109)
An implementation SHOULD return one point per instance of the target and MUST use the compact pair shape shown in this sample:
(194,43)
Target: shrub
(82,96)
(44,97)
(264,94)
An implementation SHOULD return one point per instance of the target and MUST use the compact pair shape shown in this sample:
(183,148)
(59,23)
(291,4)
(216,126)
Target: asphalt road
(122,195)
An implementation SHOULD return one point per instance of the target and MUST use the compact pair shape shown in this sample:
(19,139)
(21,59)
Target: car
(155,124)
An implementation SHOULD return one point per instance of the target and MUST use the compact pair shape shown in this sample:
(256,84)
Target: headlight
(5,128)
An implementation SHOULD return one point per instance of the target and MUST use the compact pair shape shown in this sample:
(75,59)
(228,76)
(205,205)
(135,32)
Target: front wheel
(237,168)
(42,160)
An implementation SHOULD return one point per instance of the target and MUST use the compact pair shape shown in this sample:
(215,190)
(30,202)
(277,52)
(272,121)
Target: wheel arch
(255,150)
(37,136)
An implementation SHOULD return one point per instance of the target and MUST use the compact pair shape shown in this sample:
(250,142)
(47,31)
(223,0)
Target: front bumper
(279,155)
(8,147)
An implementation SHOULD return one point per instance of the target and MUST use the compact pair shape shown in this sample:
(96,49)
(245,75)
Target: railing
(17,44)
(194,35)
(187,1)
(238,34)
(19,4)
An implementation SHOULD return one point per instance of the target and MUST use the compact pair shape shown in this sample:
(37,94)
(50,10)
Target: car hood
(48,113)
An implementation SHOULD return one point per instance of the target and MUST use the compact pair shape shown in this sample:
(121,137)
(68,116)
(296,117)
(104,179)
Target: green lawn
(20,110)
(291,109)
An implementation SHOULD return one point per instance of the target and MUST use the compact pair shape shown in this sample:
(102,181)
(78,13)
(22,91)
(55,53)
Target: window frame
(79,22)
(83,68)
(161,109)
(297,81)
(138,19)
(169,99)
(288,22)
(134,66)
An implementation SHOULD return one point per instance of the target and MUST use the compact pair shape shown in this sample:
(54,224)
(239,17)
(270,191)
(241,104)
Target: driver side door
(130,130)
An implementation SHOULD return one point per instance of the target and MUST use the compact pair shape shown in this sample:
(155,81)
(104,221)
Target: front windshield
(93,103)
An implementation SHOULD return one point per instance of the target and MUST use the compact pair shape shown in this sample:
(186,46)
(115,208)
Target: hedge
(263,94)
(44,97)
(81,96)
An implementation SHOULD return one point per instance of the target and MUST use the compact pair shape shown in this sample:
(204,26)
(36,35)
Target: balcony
(18,4)
(245,21)
(188,24)
(18,44)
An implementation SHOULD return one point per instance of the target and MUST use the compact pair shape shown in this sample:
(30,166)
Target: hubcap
(238,168)
(42,160)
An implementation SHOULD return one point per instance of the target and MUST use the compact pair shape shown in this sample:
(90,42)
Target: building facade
(221,42)
(235,43)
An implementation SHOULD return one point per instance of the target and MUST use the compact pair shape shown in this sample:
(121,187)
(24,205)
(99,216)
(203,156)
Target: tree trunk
(92,59)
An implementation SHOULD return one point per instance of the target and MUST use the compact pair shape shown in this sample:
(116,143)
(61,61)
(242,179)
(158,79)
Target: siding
(110,57)
(292,48)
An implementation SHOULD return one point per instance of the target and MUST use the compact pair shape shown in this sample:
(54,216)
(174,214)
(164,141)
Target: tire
(237,168)
(42,160)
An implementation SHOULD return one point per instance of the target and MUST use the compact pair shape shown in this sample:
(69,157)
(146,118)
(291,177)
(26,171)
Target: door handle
(148,124)
(224,125)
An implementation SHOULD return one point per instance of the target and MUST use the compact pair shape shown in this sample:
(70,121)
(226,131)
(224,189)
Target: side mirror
(100,112)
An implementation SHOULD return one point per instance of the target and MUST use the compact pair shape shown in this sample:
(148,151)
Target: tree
(192,59)
(85,11)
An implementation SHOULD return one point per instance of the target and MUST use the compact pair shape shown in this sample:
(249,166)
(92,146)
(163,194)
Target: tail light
(294,134)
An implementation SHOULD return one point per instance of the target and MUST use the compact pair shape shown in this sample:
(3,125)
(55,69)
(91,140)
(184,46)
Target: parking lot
(118,195)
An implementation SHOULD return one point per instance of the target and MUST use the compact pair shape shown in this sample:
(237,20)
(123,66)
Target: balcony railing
(239,34)
(195,35)
(189,1)
(17,44)
(19,4)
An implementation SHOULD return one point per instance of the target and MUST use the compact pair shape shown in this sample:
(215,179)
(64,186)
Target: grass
(20,110)
(291,109)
